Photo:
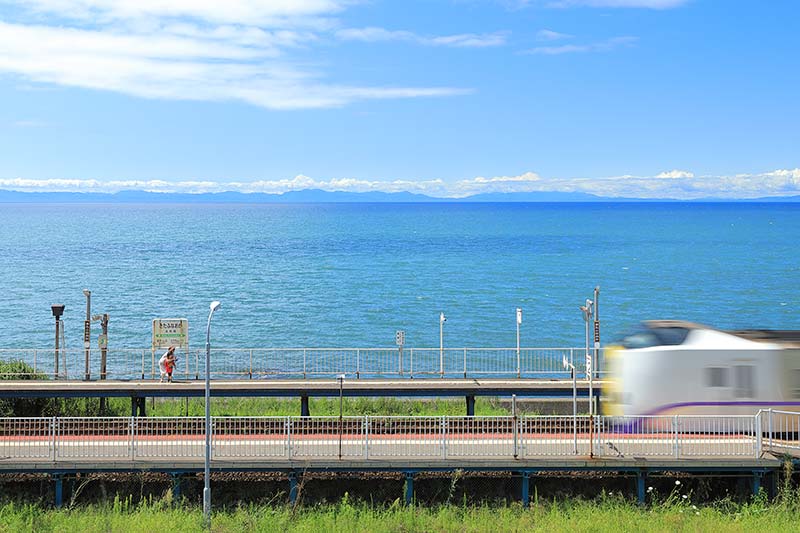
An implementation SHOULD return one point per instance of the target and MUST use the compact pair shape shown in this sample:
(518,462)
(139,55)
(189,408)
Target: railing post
(358,363)
(142,364)
(251,363)
(769,426)
(465,363)
(675,433)
(53,424)
(288,425)
(758,443)
(366,437)
(304,363)
(34,361)
(411,363)
(132,431)
(444,438)
(516,421)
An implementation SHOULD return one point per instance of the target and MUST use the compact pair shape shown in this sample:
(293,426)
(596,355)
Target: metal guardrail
(278,439)
(255,363)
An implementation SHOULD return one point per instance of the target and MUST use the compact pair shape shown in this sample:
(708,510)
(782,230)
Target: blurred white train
(671,367)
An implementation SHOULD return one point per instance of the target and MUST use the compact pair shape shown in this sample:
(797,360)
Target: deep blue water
(343,275)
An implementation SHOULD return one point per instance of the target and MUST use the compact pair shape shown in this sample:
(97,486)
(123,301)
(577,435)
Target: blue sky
(647,98)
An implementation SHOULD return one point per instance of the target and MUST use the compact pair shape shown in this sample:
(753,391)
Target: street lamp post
(87,332)
(588,312)
(442,320)
(207,486)
(571,366)
(340,377)
(519,321)
(58,310)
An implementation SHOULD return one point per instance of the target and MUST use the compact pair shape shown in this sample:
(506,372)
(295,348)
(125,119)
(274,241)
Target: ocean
(350,275)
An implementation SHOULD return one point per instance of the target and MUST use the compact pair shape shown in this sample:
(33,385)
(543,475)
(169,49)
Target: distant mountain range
(319,196)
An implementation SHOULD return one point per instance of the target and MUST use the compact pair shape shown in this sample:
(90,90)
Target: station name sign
(170,332)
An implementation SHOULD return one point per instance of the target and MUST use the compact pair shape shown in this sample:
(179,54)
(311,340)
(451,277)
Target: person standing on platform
(167,364)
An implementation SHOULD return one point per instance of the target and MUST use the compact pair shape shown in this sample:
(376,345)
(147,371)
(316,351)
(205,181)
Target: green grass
(607,514)
(317,406)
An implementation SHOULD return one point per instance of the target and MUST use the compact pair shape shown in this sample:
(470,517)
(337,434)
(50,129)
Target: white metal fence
(278,439)
(255,363)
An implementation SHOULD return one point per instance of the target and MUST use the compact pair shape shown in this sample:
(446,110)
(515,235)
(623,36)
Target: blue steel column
(756,482)
(641,477)
(304,410)
(409,488)
(176,487)
(525,492)
(292,487)
(470,405)
(59,490)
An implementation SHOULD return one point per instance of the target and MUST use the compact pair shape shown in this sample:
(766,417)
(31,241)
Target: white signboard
(170,332)
(400,337)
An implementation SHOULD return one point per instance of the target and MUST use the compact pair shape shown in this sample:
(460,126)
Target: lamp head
(87,292)
(442,318)
(341,377)
(214,305)
(58,310)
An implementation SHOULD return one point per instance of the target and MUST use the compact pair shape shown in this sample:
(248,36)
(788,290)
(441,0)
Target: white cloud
(464,40)
(649,4)
(243,12)
(674,174)
(549,35)
(601,46)
(184,63)
(237,50)
(681,185)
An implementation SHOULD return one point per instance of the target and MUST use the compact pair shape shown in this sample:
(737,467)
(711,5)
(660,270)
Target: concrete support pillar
(525,489)
(59,490)
(304,410)
(470,405)
(134,404)
(409,492)
(757,482)
(292,488)
(641,479)
(176,487)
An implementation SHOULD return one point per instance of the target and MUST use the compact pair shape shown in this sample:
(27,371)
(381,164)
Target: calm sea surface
(339,275)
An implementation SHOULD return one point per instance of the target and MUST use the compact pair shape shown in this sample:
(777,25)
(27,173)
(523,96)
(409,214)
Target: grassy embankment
(606,514)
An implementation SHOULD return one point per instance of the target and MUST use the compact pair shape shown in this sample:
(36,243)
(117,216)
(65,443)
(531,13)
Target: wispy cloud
(550,35)
(600,46)
(648,4)
(463,40)
(236,50)
(676,184)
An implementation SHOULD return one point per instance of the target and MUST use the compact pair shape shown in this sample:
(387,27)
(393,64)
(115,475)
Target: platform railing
(780,430)
(381,438)
(260,363)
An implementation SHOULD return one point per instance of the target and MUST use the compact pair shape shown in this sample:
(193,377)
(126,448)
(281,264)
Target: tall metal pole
(574,412)
(590,371)
(87,332)
(207,472)
(519,321)
(341,387)
(596,330)
(55,365)
(442,320)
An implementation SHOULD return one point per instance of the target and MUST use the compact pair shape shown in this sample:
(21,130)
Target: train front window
(646,337)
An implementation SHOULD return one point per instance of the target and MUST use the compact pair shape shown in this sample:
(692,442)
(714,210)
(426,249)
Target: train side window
(716,376)
(796,384)
(745,382)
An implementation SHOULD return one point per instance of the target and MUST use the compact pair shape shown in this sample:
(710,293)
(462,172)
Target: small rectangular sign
(170,332)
